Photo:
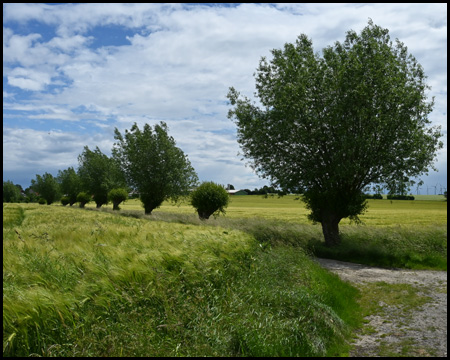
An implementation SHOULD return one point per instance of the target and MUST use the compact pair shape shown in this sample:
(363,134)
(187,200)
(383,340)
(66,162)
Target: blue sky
(74,72)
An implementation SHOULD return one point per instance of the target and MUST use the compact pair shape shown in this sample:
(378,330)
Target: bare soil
(419,332)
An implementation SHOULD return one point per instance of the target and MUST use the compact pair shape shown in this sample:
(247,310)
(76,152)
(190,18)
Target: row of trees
(145,161)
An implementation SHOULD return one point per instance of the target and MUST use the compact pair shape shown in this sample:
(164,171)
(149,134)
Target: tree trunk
(203,215)
(330,228)
(148,208)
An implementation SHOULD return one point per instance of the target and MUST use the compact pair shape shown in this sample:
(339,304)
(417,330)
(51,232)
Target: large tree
(99,174)
(334,123)
(153,164)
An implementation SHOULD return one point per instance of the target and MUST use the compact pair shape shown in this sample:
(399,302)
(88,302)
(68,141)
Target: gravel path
(421,333)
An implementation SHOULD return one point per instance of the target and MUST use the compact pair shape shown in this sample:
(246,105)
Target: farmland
(429,211)
(87,282)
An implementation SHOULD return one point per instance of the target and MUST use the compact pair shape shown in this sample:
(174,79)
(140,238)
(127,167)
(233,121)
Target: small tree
(153,165)
(83,198)
(47,187)
(70,184)
(117,196)
(65,200)
(11,192)
(99,174)
(209,199)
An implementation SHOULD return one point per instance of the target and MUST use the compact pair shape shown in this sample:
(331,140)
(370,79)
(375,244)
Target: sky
(72,73)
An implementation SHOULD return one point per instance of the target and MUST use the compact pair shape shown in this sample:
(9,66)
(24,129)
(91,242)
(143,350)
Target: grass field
(87,282)
(431,210)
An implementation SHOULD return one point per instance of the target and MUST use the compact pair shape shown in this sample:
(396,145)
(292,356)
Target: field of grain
(424,211)
(88,282)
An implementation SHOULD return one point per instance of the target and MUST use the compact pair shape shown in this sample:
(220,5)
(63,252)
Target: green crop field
(87,282)
(290,209)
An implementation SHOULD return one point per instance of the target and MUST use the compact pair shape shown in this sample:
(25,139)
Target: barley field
(98,282)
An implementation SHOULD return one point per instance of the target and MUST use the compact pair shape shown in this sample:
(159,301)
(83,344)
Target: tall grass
(408,246)
(90,283)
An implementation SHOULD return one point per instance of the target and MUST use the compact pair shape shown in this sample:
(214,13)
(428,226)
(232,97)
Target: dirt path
(420,332)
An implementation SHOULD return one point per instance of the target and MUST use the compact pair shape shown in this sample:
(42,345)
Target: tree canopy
(47,187)
(332,124)
(99,174)
(153,164)
(209,199)
(11,192)
(70,184)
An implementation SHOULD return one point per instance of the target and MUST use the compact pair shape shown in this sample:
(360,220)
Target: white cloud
(27,79)
(180,62)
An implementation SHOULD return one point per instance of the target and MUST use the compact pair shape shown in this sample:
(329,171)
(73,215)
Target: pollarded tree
(209,199)
(117,196)
(47,187)
(153,165)
(83,198)
(99,174)
(333,124)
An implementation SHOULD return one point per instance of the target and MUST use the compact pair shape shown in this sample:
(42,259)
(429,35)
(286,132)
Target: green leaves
(209,199)
(153,164)
(333,124)
(99,174)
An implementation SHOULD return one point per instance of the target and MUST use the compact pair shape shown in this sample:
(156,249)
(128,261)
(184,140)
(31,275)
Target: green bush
(400,197)
(374,196)
(208,199)
(83,198)
(42,201)
(65,200)
(117,196)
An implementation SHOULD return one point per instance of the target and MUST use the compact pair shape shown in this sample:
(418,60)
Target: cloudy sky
(74,72)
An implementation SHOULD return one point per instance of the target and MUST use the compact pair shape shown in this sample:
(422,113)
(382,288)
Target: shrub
(65,200)
(117,196)
(208,199)
(400,197)
(42,201)
(83,198)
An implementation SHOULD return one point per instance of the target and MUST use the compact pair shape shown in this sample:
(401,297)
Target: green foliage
(209,199)
(30,195)
(99,174)
(117,196)
(65,200)
(11,193)
(83,198)
(332,125)
(153,165)
(90,283)
(412,247)
(374,196)
(400,197)
(70,184)
(47,187)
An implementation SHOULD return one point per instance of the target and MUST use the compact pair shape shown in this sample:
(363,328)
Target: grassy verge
(420,248)
(90,283)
